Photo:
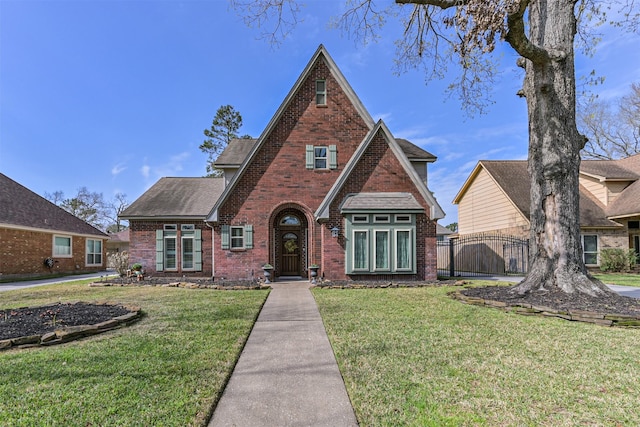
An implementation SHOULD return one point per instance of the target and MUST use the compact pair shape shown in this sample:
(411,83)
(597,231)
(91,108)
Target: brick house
(495,199)
(32,230)
(324,184)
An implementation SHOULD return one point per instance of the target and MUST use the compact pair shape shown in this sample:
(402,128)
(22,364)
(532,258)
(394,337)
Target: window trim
(183,238)
(584,252)
(317,158)
(87,253)
(165,238)
(412,261)
(381,218)
(389,250)
(367,249)
(241,237)
(373,229)
(62,255)
(321,93)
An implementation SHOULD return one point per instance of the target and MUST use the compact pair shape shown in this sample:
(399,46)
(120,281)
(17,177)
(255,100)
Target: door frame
(278,230)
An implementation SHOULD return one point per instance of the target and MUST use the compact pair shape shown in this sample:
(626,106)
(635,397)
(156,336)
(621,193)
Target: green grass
(621,279)
(414,357)
(168,369)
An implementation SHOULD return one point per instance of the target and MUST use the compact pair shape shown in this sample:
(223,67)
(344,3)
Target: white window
(360,219)
(170,251)
(237,237)
(320,157)
(381,252)
(381,218)
(321,92)
(187,246)
(590,249)
(361,250)
(377,248)
(403,250)
(403,218)
(62,246)
(94,252)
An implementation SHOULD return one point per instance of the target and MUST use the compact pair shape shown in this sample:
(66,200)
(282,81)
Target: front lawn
(167,369)
(415,357)
(622,279)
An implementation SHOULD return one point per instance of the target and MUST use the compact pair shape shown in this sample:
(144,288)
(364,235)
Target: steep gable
(21,207)
(379,164)
(277,159)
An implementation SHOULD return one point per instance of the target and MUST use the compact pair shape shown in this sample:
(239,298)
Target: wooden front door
(290,251)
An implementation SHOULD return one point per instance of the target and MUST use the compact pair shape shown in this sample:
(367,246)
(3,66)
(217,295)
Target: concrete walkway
(10,286)
(287,374)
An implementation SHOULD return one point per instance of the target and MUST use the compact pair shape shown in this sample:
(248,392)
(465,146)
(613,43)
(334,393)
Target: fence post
(452,268)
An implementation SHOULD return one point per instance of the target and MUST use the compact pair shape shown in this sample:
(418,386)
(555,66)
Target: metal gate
(483,255)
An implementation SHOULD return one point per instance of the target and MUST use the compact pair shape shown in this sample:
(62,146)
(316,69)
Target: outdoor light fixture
(335,231)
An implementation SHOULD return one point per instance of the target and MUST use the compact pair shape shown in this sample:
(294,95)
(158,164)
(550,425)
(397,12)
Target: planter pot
(267,274)
(314,274)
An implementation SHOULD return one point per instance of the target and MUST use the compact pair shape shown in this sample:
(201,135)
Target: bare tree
(114,209)
(613,131)
(543,33)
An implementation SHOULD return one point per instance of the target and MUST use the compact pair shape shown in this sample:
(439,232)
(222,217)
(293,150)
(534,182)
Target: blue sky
(113,95)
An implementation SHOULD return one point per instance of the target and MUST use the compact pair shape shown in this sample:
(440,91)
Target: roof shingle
(20,206)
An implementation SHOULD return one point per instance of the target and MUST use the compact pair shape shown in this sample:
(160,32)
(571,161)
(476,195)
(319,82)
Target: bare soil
(27,321)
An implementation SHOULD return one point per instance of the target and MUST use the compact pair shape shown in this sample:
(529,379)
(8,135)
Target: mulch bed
(64,319)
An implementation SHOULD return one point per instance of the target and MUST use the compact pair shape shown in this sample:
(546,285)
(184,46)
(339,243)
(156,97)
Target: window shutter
(310,157)
(224,236)
(333,157)
(248,236)
(159,250)
(197,250)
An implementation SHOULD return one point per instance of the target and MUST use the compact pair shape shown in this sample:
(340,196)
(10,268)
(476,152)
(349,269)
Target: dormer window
(321,92)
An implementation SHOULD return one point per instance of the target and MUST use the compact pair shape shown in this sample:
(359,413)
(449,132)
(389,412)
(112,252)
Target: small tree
(224,128)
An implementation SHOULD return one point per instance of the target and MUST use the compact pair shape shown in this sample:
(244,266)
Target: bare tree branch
(284,14)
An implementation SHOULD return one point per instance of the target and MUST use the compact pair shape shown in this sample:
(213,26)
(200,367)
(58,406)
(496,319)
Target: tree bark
(554,154)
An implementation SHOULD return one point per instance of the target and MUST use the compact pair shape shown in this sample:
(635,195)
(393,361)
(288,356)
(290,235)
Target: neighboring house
(495,198)
(117,243)
(32,230)
(324,184)
(443,233)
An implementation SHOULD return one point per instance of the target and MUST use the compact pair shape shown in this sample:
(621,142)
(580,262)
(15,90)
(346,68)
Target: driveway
(10,286)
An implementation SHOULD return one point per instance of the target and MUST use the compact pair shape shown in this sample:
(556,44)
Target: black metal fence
(483,255)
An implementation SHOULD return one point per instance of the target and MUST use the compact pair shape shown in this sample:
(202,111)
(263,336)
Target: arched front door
(290,253)
(290,245)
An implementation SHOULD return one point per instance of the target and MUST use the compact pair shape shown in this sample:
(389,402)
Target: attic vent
(634,224)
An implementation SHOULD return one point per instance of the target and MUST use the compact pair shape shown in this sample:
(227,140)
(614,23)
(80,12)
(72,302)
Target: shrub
(119,261)
(615,259)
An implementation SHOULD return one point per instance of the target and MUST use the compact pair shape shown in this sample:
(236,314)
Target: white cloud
(117,169)
(145,170)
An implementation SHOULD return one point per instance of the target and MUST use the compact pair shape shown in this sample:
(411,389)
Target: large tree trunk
(554,154)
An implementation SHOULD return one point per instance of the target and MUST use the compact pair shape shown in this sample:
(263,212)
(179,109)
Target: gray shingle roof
(386,201)
(177,197)
(513,178)
(20,206)
(413,152)
(235,152)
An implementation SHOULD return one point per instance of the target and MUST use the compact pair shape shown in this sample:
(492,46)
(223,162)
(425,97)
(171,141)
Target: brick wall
(142,247)
(278,175)
(22,254)
(380,170)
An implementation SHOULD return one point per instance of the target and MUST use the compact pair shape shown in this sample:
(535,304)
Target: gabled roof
(436,211)
(512,178)
(627,203)
(235,152)
(22,208)
(380,201)
(608,170)
(120,236)
(321,54)
(176,198)
(415,153)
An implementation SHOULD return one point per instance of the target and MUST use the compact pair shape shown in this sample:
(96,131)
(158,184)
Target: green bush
(615,259)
